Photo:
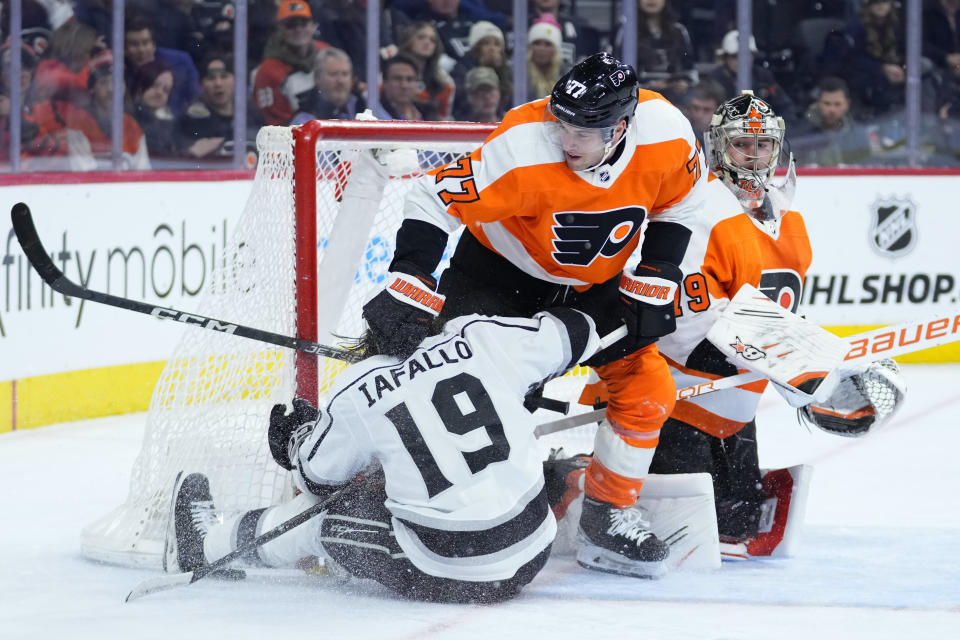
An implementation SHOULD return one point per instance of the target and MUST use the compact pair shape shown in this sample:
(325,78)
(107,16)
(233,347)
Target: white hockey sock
(284,551)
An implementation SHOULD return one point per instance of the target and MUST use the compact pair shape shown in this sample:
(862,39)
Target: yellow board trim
(6,406)
(78,395)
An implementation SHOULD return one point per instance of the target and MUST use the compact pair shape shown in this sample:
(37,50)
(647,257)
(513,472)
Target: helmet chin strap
(608,149)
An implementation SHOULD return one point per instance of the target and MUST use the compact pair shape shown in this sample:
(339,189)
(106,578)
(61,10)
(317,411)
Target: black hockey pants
(358,535)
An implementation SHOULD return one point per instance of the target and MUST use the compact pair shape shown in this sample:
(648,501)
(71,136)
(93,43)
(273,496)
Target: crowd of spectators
(835,70)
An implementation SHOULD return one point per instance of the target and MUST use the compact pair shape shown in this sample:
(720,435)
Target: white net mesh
(210,408)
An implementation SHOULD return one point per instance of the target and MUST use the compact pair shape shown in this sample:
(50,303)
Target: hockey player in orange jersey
(747,235)
(554,205)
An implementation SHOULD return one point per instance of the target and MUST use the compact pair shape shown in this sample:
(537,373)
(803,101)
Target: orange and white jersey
(728,249)
(521,200)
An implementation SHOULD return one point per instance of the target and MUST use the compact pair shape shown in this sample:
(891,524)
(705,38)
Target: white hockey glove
(861,401)
(287,431)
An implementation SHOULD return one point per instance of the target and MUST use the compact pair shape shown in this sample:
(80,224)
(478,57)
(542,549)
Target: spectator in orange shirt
(71,138)
(287,68)
(97,125)
(63,75)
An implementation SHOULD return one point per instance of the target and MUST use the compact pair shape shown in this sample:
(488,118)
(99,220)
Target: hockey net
(319,225)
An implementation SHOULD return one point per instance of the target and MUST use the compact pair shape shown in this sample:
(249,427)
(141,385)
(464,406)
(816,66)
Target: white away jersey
(456,444)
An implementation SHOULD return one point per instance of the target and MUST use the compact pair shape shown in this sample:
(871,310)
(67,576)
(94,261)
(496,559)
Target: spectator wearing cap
(487,50)
(150,93)
(578,38)
(420,42)
(334,97)
(207,125)
(287,68)
(398,95)
(545,63)
(765,85)
(98,133)
(140,48)
(483,95)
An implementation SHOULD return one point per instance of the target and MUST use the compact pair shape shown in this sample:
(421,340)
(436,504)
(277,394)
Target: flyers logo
(783,286)
(617,78)
(580,236)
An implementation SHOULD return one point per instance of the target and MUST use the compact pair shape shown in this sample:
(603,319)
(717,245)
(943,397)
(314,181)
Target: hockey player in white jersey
(441,486)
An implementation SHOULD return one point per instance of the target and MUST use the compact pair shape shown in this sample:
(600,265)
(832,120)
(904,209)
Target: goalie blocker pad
(781,516)
(802,359)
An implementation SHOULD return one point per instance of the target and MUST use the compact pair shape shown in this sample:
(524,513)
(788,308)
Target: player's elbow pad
(861,402)
(648,296)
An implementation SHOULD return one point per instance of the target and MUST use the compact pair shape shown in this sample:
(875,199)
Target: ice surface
(879,558)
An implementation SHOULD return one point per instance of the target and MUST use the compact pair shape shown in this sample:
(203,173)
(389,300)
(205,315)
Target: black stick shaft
(263,539)
(30,242)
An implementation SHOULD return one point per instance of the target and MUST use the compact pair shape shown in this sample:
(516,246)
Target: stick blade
(160,583)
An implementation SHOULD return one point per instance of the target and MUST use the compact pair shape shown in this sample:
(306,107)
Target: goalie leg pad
(781,519)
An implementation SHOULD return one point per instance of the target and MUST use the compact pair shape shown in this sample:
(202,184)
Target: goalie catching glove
(287,431)
(648,296)
(400,316)
(861,401)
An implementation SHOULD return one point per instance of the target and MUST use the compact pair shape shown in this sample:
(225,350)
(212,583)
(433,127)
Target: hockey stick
(173,580)
(885,342)
(37,256)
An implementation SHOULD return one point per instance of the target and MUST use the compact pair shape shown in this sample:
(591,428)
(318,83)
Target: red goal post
(311,246)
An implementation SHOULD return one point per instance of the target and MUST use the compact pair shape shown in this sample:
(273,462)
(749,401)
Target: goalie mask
(743,148)
(589,101)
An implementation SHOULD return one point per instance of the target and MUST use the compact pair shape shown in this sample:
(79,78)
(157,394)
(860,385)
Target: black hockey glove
(288,430)
(402,315)
(648,299)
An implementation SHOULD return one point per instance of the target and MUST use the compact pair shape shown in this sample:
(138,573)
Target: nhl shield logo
(893,226)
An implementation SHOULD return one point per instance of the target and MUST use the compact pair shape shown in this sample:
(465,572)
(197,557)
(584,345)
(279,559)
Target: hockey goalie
(749,240)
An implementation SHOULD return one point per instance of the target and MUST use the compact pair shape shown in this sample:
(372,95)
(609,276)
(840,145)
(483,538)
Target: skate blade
(597,558)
